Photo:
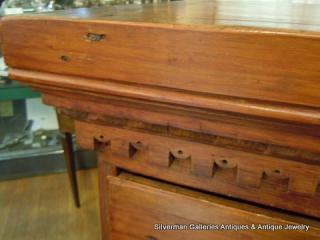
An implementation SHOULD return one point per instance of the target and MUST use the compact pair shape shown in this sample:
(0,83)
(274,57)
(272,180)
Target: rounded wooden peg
(277,173)
(138,145)
(224,162)
(100,143)
(180,154)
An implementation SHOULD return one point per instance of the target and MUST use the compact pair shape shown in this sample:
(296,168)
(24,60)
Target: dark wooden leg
(67,144)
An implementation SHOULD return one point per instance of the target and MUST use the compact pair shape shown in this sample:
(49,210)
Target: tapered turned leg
(67,144)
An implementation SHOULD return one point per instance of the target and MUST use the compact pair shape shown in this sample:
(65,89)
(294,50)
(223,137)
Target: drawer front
(141,209)
(267,180)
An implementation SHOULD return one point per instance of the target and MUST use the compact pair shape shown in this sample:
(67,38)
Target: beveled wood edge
(181,27)
(265,109)
(79,106)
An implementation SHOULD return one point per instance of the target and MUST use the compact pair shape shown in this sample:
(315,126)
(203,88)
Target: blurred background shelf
(15,91)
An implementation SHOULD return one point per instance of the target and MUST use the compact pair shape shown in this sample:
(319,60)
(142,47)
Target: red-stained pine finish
(154,203)
(208,95)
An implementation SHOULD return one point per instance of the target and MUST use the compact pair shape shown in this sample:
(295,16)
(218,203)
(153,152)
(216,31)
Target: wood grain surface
(294,15)
(226,62)
(42,208)
(136,47)
(218,96)
(303,114)
(258,131)
(153,203)
(278,182)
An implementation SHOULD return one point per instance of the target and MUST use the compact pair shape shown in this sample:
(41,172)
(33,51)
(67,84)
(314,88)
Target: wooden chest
(205,114)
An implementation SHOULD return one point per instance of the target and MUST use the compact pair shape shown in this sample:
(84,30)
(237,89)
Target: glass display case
(28,129)
(26,125)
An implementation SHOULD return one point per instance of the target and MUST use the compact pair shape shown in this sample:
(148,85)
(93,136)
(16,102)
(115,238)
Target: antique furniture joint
(200,111)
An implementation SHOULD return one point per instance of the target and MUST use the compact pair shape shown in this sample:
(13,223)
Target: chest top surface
(271,14)
(259,58)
